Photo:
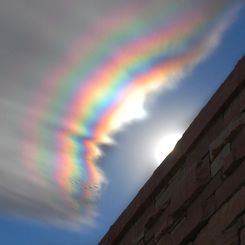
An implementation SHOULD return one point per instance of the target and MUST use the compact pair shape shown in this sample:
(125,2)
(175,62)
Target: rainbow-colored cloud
(101,84)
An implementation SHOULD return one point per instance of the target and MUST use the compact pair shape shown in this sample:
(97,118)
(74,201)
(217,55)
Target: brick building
(197,195)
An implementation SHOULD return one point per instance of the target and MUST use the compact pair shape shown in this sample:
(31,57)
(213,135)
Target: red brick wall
(197,195)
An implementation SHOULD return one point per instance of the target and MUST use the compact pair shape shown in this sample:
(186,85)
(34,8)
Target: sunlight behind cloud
(165,146)
(76,72)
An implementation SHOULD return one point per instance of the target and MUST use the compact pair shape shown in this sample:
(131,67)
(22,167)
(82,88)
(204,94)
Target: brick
(212,232)
(145,215)
(200,149)
(149,236)
(187,188)
(192,222)
(152,220)
(167,239)
(203,207)
(138,237)
(242,101)
(209,207)
(135,232)
(163,225)
(162,200)
(158,226)
(202,171)
(151,242)
(140,223)
(239,139)
(177,175)
(198,211)
(141,242)
(232,111)
(211,187)
(231,234)
(240,222)
(231,237)
(218,163)
(128,238)
(229,164)
(242,237)
(230,185)
(231,161)
(239,152)
(226,136)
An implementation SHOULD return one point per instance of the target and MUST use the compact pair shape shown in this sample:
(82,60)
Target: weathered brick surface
(224,217)
(197,195)
(230,185)
(232,233)
(242,237)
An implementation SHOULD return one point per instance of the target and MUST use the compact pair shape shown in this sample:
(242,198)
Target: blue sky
(130,161)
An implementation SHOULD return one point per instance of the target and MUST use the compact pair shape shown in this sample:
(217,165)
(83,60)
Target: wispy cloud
(53,120)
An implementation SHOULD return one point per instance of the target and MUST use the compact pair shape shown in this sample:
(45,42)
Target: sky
(88,89)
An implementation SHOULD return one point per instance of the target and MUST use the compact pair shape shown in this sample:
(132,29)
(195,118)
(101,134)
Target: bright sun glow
(165,146)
